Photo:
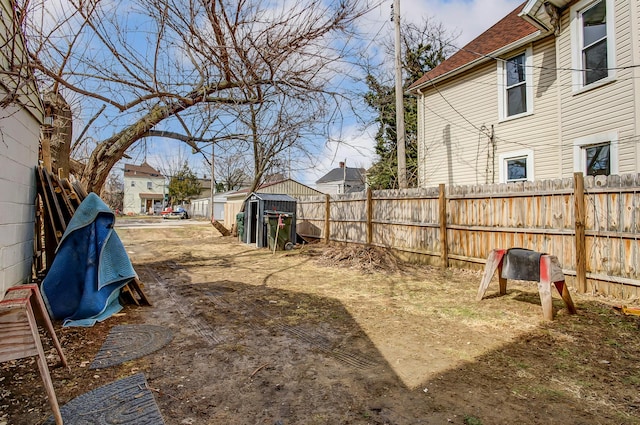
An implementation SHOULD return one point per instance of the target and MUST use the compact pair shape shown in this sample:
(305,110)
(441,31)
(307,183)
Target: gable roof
(338,175)
(142,170)
(506,32)
(302,188)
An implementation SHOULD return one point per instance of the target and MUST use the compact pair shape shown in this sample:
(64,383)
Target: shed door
(252,222)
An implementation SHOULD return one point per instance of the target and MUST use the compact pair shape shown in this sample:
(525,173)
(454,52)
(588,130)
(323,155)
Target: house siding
(607,108)
(449,136)
(474,96)
(635,58)
(19,143)
(18,159)
(453,150)
(538,132)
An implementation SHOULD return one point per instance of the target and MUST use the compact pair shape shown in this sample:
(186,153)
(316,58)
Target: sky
(469,18)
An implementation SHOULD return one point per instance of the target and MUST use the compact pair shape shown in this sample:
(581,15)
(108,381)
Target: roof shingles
(142,170)
(508,30)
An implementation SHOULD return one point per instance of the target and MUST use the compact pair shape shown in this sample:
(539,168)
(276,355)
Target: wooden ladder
(19,335)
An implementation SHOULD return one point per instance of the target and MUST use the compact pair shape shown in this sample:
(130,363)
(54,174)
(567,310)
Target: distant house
(21,117)
(342,180)
(144,189)
(549,90)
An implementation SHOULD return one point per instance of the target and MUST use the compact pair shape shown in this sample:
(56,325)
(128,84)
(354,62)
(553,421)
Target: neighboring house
(144,189)
(551,89)
(289,187)
(342,180)
(21,117)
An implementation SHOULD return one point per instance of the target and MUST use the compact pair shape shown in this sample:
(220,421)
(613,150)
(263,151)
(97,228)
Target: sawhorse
(547,277)
(19,335)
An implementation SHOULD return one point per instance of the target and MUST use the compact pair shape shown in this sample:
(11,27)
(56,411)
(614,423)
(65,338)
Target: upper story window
(515,79)
(593,43)
(149,185)
(133,183)
(516,86)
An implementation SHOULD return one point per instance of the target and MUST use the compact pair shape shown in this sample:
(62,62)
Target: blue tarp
(90,267)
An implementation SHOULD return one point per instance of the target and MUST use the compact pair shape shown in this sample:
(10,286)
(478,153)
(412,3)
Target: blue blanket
(90,268)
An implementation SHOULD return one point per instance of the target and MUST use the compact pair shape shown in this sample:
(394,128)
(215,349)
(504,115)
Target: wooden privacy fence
(592,224)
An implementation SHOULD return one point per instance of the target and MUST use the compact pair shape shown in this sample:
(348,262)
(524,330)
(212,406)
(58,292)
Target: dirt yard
(311,337)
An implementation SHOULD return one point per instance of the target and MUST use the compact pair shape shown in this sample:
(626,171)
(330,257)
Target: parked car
(179,212)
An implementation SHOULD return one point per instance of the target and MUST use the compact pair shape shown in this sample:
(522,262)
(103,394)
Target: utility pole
(213,181)
(400,132)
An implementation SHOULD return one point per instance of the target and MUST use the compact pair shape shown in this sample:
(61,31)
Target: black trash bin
(279,231)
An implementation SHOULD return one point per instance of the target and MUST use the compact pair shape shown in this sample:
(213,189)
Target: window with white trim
(598,159)
(515,82)
(592,42)
(133,183)
(149,185)
(597,154)
(516,166)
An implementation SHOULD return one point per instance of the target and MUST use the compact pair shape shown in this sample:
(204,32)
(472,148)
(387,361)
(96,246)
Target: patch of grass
(463,312)
(613,343)
(550,393)
(632,380)
(520,365)
(471,420)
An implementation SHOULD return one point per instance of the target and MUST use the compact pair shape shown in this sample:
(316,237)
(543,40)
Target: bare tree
(113,192)
(232,170)
(143,66)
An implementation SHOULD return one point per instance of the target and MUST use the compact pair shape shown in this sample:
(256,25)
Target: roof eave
(489,56)
(534,12)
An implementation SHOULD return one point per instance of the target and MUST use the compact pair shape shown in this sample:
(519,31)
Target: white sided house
(144,189)
(342,180)
(551,89)
(21,117)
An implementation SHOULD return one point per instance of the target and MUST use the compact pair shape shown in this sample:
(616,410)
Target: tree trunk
(111,150)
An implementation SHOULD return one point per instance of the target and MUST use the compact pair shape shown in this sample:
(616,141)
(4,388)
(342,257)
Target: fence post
(327,212)
(442,204)
(579,224)
(369,217)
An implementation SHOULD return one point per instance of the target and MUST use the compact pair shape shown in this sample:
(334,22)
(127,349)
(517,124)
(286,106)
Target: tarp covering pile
(90,268)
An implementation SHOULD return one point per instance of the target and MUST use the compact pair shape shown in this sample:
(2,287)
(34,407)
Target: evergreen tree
(423,49)
(183,185)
